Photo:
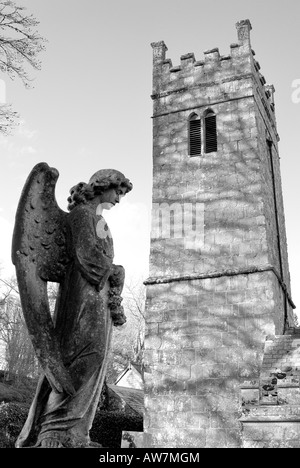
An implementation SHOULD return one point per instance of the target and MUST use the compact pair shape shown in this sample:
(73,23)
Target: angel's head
(107,185)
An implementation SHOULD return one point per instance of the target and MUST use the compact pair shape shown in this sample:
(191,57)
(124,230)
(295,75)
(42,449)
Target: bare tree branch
(12,284)
(128,342)
(19,354)
(20,43)
(20,46)
(8,119)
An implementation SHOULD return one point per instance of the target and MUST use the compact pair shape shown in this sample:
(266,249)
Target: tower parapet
(222,73)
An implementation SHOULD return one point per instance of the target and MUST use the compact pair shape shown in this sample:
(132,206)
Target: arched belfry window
(194,135)
(210,132)
(202,133)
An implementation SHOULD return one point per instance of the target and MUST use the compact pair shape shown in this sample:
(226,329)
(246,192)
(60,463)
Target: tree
(19,354)
(135,306)
(128,340)
(8,118)
(20,45)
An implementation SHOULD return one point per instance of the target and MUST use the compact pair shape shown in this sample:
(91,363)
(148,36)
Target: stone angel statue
(74,249)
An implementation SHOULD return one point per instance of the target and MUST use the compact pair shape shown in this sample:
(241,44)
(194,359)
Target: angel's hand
(117,277)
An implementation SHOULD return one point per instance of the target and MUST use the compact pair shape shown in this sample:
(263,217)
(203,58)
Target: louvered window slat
(195,137)
(210,134)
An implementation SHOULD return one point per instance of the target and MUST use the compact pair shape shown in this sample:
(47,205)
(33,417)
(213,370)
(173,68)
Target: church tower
(219,280)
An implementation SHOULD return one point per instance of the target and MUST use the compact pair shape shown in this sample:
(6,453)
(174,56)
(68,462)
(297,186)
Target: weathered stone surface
(74,249)
(215,296)
(134,439)
(271,416)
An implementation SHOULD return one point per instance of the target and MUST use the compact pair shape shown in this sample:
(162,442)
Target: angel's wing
(40,227)
(39,253)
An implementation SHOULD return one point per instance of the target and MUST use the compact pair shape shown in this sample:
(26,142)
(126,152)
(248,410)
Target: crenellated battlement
(212,57)
(214,69)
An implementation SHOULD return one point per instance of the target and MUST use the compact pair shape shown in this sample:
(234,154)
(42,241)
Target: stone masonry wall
(203,338)
(229,185)
(272,195)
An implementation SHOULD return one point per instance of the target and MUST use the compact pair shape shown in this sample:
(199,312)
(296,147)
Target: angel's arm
(92,260)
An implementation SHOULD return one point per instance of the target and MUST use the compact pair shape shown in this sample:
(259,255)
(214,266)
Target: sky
(90,106)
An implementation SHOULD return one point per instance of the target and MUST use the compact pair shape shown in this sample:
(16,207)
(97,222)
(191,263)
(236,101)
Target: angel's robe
(83,325)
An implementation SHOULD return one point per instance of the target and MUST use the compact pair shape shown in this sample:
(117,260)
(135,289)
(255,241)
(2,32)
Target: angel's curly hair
(98,183)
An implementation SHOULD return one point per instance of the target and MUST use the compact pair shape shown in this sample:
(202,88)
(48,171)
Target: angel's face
(111,197)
